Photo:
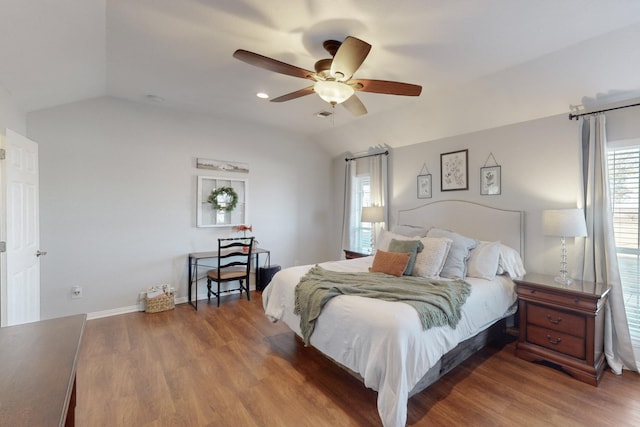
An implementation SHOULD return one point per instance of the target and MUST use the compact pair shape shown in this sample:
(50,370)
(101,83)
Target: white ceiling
(484,59)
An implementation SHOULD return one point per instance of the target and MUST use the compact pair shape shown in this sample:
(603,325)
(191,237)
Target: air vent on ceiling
(323,114)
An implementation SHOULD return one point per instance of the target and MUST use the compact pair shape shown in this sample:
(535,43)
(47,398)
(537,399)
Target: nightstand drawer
(556,320)
(557,341)
(554,297)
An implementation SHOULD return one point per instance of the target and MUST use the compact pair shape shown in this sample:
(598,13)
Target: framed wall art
(490,180)
(490,177)
(221,202)
(424,186)
(424,183)
(222,165)
(454,170)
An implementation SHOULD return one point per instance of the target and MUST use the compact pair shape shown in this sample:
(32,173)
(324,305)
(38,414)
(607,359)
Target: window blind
(624,181)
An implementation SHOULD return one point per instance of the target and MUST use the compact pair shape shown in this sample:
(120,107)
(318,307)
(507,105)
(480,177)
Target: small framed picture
(490,178)
(454,170)
(424,186)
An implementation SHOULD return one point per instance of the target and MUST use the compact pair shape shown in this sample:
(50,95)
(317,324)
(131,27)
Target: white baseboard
(124,310)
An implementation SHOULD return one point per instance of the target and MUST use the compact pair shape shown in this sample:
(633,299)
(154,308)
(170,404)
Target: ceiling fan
(333,76)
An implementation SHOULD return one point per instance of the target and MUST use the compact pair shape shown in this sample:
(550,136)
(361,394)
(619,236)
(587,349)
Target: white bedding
(384,341)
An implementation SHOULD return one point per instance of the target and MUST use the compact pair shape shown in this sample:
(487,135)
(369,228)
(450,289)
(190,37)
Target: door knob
(41,253)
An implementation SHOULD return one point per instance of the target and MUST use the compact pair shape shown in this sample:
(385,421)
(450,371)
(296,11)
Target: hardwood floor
(229,366)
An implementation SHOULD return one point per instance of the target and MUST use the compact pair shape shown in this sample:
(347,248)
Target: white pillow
(455,265)
(409,230)
(430,261)
(483,260)
(385,237)
(510,262)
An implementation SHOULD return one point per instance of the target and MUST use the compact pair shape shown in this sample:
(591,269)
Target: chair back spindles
(234,264)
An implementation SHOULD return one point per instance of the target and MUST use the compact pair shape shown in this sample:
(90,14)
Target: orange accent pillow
(393,263)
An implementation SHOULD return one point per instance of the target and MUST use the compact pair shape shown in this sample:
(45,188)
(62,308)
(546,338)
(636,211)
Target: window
(365,186)
(361,232)
(624,181)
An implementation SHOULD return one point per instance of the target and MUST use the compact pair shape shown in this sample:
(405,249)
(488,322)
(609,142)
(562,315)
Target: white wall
(11,116)
(539,164)
(117,198)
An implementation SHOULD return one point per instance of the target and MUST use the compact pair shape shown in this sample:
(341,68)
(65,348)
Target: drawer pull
(554,321)
(554,342)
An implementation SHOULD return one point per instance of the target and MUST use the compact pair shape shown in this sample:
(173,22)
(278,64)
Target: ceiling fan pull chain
(333,114)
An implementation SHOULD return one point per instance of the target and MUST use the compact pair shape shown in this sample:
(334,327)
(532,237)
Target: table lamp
(564,223)
(372,214)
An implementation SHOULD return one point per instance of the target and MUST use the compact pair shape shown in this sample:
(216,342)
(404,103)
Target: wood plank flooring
(229,366)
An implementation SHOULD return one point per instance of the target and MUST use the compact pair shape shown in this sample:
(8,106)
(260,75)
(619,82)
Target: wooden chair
(234,263)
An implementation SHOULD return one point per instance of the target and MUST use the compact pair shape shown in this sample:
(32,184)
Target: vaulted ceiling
(481,63)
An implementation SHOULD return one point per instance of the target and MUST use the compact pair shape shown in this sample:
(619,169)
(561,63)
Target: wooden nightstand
(563,324)
(353,254)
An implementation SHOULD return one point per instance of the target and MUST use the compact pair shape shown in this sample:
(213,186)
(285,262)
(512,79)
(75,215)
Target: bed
(383,342)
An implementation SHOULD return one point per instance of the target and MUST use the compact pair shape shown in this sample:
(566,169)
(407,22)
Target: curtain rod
(366,155)
(575,116)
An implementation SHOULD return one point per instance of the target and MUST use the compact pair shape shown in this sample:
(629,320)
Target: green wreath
(223,199)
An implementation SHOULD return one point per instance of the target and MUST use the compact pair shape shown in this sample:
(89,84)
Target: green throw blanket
(438,302)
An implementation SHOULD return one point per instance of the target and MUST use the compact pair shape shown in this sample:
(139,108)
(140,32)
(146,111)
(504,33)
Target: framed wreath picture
(221,202)
(454,170)
(490,180)
(424,186)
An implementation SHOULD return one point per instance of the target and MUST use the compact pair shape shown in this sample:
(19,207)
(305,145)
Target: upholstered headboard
(470,219)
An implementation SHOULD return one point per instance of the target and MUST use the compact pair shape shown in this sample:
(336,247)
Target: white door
(20,268)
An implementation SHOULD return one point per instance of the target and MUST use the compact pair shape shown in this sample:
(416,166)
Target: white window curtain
(598,260)
(349,195)
(378,167)
(375,164)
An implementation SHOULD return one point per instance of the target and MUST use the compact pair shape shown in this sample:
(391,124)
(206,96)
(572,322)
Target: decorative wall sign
(221,202)
(490,178)
(222,165)
(454,170)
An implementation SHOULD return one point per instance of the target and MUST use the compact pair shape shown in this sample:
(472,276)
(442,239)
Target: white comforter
(384,341)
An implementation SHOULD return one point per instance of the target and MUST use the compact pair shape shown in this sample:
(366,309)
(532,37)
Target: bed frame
(470,219)
(480,222)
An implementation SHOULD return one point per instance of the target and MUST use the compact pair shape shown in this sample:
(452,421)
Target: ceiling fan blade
(348,58)
(355,106)
(294,95)
(386,87)
(271,64)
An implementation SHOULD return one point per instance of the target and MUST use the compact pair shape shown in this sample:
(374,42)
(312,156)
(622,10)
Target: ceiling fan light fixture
(333,92)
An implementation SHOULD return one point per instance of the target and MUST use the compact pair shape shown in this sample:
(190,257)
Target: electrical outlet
(76,292)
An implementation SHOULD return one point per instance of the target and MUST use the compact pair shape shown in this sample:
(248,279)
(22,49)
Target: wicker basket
(162,303)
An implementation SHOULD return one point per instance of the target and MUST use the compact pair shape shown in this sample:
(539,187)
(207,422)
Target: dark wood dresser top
(38,370)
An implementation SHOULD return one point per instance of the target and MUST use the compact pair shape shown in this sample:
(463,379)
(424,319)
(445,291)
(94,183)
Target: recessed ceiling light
(262,95)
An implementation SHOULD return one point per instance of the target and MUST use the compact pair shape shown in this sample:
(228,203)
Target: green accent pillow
(412,247)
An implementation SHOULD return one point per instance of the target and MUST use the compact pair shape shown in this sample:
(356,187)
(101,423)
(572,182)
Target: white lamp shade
(564,223)
(372,214)
(333,92)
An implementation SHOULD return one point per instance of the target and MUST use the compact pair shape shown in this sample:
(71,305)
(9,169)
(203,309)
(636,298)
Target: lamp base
(564,280)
